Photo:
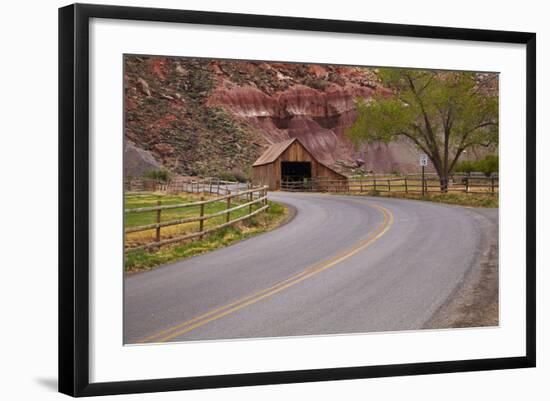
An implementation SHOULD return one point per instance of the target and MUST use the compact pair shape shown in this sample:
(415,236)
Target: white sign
(423,160)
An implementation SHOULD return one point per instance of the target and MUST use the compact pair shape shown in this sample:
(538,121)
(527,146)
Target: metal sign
(423,160)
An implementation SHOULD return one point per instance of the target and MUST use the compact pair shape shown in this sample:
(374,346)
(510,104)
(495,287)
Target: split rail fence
(205,185)
(234,201)
(473,184)
(184,184)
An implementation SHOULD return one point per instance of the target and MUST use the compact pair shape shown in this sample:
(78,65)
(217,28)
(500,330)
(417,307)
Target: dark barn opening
(295,171)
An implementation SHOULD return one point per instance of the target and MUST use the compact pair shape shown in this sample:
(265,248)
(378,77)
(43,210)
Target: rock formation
(206,117)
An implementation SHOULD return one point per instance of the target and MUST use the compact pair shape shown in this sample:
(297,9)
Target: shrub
(240,175)
(160,175)
(318,84)
(487,165)
(465,167)
(234,175)
(226,176)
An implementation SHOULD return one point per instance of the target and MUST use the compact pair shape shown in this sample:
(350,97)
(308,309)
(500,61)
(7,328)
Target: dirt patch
(475,302)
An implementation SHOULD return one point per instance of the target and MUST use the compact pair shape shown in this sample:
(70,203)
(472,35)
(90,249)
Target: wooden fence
(184,184)
(144,185)
(473,184)
(253,196)
(204,185)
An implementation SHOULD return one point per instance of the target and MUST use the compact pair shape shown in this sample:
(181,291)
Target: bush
(226,176)
(318,84)
(160,175)
(488,166)
(240,175)
(234,175)
(465,167)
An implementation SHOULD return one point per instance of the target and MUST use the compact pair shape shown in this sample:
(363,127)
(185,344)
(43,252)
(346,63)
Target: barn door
(295,172)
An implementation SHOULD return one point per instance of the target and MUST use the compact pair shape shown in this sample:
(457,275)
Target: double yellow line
(241,303)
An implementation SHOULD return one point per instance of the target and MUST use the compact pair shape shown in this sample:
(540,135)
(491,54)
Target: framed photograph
(250,199)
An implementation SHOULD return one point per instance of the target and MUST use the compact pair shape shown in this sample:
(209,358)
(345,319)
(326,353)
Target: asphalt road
(344,264)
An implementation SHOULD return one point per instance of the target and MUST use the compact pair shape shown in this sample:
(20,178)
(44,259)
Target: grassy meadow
(147,259)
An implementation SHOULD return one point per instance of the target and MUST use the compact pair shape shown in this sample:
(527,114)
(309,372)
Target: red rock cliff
(181,110)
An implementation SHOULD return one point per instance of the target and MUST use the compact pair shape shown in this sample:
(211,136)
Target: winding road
(343,264)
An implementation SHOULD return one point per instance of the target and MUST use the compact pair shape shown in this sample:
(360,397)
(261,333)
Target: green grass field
(147,259)
(461,199)
(480,194)
(147,200)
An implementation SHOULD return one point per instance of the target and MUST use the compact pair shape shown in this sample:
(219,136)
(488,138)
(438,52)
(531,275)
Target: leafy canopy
(442,113)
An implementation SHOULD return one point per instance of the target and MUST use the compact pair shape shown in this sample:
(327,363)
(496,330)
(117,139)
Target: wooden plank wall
(270,174)
(265,175)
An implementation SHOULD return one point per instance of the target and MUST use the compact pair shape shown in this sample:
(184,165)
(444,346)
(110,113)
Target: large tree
(442,113)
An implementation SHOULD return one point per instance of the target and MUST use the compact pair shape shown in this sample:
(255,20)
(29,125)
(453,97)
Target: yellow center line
(234,306)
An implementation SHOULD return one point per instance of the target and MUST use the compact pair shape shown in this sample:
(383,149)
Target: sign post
(423,164)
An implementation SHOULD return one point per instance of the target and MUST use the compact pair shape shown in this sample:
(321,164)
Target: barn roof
(273,152)
(276,149)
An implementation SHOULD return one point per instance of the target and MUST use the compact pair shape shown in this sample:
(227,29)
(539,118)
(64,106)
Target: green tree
(442,113)
(487,165)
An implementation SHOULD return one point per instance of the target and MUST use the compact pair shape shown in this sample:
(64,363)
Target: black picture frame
(74,198)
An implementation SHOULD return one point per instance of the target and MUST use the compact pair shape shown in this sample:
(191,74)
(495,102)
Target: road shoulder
(475,301)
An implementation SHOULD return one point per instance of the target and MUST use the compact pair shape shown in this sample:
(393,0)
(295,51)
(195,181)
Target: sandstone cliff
(204,117)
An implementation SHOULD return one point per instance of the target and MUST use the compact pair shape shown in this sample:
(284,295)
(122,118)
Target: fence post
(374,179)
(389,185)
(250,199)
(492,185)
(406,187)
(264,202)
(424,185)
(157,236)
(467,183)
(228,205)
(201,221)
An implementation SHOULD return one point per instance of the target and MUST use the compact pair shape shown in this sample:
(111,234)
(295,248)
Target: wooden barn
(290,161)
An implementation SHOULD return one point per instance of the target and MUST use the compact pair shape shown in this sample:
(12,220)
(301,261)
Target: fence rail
(206,185)
(183,184)
(405,184)
(253,196)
